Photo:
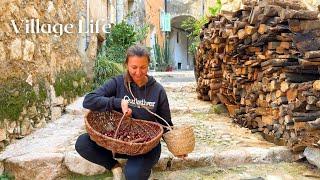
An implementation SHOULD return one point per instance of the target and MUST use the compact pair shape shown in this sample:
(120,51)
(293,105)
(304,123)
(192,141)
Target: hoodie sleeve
(163,109)
(103,98)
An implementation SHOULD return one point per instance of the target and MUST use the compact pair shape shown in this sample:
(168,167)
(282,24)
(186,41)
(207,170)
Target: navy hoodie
(152,95)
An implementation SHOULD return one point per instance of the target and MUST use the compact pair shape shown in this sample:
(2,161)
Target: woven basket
(97,123)
(180,140)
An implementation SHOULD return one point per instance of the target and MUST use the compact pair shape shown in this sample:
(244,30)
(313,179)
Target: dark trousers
(137,167)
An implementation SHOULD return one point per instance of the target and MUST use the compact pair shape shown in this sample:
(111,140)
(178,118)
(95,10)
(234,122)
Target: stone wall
(40,72)
(194,8)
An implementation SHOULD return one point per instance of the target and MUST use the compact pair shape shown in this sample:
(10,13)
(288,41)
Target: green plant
(112,53)
(17,94)
(141,32)
(194,26)
(6,176)
(70,84)
(216,8)
(104,70)
(162,55)
(121,37)
(219,109)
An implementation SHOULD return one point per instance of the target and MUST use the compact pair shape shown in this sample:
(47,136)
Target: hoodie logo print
(139,103)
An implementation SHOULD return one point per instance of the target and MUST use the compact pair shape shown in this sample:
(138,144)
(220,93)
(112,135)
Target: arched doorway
(179,44)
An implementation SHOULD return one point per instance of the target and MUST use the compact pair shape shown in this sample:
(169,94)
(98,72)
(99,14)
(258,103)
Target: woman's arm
(103,98)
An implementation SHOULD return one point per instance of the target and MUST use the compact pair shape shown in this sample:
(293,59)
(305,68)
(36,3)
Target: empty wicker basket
(98,123)
(180,140)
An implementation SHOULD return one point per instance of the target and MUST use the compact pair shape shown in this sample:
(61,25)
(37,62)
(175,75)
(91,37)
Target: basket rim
(117,140)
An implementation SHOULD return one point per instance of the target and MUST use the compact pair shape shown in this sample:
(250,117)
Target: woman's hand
(125,108)
(182,156)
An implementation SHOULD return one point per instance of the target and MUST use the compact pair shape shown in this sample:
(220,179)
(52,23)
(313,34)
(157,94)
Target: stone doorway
(179,44)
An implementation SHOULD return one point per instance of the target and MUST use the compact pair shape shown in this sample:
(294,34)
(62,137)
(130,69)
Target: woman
(127,94)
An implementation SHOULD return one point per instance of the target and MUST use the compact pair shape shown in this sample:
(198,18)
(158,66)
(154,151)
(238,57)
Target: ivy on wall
(70,84)
(17,94)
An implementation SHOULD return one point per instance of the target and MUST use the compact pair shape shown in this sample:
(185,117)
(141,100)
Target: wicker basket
(180,140)
(97,123)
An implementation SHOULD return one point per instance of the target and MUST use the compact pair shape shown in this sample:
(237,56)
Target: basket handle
(168,126)
(115,134)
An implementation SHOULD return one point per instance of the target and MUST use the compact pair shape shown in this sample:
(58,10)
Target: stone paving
(49,153)
(274,171)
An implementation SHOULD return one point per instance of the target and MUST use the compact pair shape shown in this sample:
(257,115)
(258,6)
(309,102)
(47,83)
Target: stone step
(37,165)
(76,107)
(228,158)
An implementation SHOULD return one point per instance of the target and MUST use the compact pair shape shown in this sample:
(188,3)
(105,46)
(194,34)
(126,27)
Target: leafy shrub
(112,53)
(194,26)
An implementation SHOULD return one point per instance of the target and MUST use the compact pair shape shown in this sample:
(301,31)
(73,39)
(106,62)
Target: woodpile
(263,63)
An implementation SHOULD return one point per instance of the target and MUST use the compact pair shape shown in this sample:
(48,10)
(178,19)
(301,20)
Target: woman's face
(138,68)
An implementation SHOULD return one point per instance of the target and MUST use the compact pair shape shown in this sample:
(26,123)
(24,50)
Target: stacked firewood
(263,63)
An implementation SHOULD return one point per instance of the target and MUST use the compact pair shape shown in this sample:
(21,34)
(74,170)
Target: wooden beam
(312,54)
(298,14)
(296,25)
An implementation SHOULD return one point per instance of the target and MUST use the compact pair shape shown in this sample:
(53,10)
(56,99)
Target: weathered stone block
(193,160)
(55,113)
(25,127)
(40,123)
(3,134)
(163,162)
(13,8)
(36,166)
(31,12)
(1,167)
(28,50)
(75,163)
(58,101)
(15,49)
(10,126)
(32,111)
(232,158)
(92,49)
(313,155)
(2,53)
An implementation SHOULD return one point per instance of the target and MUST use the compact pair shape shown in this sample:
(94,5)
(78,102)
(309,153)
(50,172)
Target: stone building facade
(181,10)
(142,12)
(42,67)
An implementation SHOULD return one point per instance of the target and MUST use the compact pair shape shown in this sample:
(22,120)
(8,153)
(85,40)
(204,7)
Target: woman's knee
(82,142)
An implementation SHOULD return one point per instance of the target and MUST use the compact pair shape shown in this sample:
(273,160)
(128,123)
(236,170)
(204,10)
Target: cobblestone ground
(279,171)
(213,128)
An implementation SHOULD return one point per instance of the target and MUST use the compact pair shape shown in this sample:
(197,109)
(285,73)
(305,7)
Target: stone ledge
(312,155)
(75,163)
(57,164)
(76,107)
(36,166)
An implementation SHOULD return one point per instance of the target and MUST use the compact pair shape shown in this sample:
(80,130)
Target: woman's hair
(137,50)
